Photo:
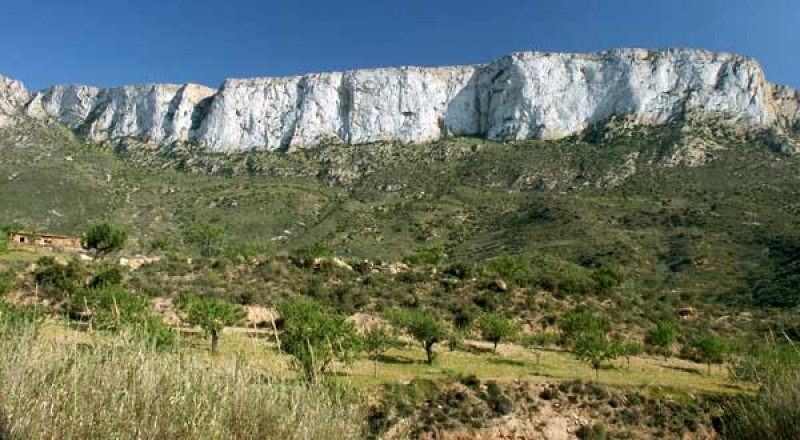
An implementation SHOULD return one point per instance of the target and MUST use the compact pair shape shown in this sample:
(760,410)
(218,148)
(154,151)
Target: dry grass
(55,389)
(404,364)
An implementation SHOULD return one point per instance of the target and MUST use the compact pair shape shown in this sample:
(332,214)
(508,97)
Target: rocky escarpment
(520,96)
(12,96)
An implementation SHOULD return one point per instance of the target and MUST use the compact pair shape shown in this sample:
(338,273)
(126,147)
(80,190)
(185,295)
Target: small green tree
(104,238)
(709,350)
(495,328)
(211,315)
(376,341)
(537,342)
(207,238)
(630,349)
(424,327)
(594,348)
(662,338)
(314,337)
(109,307)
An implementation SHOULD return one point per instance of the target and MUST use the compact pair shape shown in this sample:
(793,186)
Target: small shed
(44,240)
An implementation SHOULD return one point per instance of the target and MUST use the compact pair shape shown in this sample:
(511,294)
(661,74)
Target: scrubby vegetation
(546,261)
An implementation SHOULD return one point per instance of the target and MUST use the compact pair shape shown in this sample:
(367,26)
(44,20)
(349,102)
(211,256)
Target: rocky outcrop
(160,113)
(520,96)
(12,97)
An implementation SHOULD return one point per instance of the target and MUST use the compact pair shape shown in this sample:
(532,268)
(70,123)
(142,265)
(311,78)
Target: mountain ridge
(523,95)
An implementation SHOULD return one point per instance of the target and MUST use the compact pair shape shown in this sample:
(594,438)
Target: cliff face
(520,96)
(12,96)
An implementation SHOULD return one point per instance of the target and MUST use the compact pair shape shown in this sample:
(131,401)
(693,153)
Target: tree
(629,349)
(109,307)
(314,337)
(536,342)
(709,350)
(595,348)
(104,238)
(423,327)
(495,328)
(207,238)
(211,315)
(376,341)
(662,338)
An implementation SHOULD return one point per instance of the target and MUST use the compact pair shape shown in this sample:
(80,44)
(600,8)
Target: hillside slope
(693,209)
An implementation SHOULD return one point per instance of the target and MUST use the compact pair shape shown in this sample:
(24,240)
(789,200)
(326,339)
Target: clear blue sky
(115,42)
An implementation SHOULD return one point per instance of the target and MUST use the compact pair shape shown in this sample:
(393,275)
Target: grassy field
(405,364)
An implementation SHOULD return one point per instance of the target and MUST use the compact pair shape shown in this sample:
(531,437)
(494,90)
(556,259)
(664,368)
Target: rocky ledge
(519,96)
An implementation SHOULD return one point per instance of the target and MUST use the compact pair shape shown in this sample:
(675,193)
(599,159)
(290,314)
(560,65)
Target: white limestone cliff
(520,96)
(12,97)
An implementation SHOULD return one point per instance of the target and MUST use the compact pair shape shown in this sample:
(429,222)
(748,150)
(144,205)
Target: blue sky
(115,42)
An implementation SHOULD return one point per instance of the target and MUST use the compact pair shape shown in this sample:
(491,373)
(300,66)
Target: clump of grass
(127,391)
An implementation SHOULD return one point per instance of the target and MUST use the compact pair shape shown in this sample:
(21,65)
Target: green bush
(207,238)
(430,255)
(59,281)
(662,338)
(578,321)
(109,276)
(105,238)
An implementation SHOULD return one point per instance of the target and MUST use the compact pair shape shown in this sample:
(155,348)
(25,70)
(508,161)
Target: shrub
(576,322)
(662,338)
(57,280)
(429,255)
(594,432)
(110,276)
(207,238)
(105,238)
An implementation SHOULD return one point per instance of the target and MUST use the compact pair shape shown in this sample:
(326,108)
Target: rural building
(44,240)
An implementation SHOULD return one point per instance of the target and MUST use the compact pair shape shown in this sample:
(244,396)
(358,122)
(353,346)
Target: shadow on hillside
(396,359)
(689,370)
(502,361)
(476,349)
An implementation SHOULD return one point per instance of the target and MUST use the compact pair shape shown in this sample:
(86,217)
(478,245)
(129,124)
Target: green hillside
(698,230)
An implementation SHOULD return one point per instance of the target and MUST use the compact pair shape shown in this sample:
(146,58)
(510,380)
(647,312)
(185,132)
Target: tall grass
(55,391)
(774,412)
